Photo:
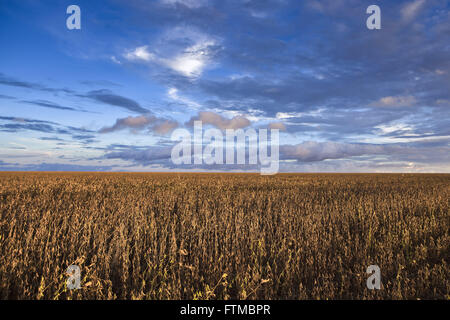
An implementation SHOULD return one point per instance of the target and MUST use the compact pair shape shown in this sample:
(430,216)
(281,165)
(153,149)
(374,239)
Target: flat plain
(224,236)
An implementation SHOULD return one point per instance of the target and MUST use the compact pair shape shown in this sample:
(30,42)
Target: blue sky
(108,96)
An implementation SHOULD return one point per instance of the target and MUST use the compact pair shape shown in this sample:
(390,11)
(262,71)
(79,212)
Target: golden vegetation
(224,236)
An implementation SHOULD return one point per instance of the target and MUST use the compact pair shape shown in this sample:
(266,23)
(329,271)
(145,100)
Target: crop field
(224,236)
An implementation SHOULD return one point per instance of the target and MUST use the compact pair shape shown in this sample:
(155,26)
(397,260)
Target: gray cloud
(14,127)
(85,138)
(100,83)
(102,95)
(401,66)
(383,156)
(319,151)
(48,104)
(52,167)
(51,139)
(311,151)
(16,124)
(2,96)
(10,81)
(24,120)
(108,97)
(147,156)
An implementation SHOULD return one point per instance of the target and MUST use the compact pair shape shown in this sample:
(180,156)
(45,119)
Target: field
(224,236)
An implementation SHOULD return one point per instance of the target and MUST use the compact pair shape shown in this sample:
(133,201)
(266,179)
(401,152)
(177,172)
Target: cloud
(10,81)
(17,124)
(164,127)
(2,96)
(186,51)
(319,151)
(328,6)
(51,105)
(103,95)
(312,151)
(138,122)
(381,87)
(173,94)
(162,154)
(84,138)
(140,53)
(314,156)
(115,60)
(25,120)
(410,10)
(397,101)
(142,156)
(277,125)
(93,83)
(14,127)
(216,120)
(158,125)
(51,139)
(108,97)
(193,60)
(52,167)
(192,4)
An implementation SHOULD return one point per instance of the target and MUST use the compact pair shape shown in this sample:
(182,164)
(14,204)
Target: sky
(107,97)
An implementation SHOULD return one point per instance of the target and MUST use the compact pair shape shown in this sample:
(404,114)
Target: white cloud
(140,53)
(114,59)
(389,128)
(258,14)
(173,94)
(193,60)
(183,50)
(193,4)
(288,115)
(284,115)
(410,10)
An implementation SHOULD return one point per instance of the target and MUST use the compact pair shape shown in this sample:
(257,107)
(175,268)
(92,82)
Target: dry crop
(224,236)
